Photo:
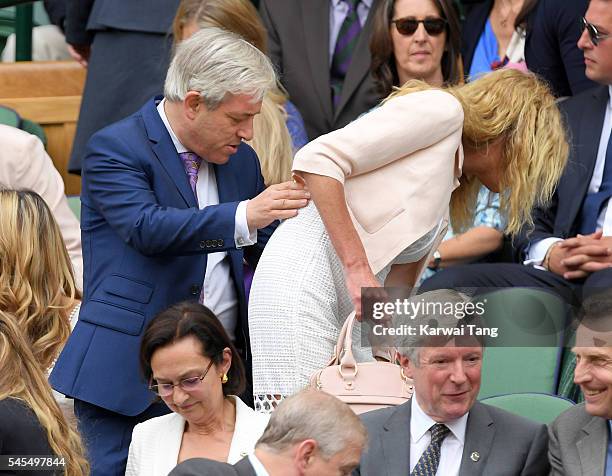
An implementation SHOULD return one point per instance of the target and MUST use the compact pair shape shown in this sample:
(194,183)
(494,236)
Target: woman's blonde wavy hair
(21,378)
(271,138)
(519,109)
(36,278)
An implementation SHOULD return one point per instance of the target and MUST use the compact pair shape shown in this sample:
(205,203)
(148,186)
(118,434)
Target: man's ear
(192,104)
(304,453)
(406,364)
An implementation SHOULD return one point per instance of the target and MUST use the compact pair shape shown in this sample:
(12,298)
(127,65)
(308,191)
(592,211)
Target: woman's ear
(226,363)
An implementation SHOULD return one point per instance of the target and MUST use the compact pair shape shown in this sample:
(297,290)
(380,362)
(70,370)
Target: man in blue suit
(171,201)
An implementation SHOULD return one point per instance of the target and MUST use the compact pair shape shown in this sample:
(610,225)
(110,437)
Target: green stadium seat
(539,407)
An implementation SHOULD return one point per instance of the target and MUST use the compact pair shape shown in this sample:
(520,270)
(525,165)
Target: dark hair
(381,47)
(192,319)
(526,9)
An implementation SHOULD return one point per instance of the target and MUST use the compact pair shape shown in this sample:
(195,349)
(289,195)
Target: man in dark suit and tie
(569,249)
(311,433)
(126,48)
(321,51)
(172,203)
(580,442)
(443,430)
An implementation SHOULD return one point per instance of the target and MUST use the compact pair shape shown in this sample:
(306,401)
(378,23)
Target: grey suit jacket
(507,445)
(578,443)
(298,44)
(207,467)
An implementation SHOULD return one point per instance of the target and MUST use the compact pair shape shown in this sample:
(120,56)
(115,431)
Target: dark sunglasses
(407,26)
(594,35)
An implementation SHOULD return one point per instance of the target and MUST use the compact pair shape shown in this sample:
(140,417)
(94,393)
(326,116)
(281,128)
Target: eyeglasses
(594,34)
(407,26)
(187,385)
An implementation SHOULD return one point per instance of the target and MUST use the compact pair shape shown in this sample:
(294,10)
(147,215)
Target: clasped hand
(277,202)
(576,258)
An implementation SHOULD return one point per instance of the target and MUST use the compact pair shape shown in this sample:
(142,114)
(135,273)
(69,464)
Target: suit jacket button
(202,244)
(220,243)
(208,243)
(194,289)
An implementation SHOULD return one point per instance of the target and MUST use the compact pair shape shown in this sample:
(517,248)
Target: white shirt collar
(367,3)
(258,467)
(610,97)
(420,423)
(180,148)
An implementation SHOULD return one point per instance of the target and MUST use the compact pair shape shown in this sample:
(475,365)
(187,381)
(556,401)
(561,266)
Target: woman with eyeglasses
(192,365)
(415,39)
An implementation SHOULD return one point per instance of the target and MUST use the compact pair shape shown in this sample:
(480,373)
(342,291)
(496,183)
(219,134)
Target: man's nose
(458,373)
(245,132)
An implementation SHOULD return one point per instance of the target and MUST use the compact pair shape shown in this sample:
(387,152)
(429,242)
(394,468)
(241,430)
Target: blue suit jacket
(145,246)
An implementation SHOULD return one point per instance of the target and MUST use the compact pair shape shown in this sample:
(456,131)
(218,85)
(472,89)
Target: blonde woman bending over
(31,422)
(383,188)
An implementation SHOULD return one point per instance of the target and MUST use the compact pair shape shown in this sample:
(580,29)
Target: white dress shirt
(258,467)
(451,450)
(338,9)
(537,251)
(218,291)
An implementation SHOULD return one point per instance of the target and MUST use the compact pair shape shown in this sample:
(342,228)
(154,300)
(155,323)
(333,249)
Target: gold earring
(224,378)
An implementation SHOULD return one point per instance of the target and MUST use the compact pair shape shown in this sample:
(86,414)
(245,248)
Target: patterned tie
(191,162)
(343,52)
(594,202)
(430,459)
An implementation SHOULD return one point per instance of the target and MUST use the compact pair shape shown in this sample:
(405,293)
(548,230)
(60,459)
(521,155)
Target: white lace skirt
(297,305)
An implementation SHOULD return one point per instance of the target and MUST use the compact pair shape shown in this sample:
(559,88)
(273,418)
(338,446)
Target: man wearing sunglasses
(569,250)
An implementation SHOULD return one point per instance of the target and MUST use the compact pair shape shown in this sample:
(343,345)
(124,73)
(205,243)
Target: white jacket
(156,442)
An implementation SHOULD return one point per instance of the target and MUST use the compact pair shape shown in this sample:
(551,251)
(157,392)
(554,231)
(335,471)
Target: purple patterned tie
(191,162)
(343,52)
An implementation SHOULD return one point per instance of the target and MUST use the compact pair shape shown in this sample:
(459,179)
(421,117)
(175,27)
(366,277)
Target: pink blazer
(399,165)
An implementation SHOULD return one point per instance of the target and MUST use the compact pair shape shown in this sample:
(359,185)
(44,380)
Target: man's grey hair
(442,308)
(215,62)
(312,414)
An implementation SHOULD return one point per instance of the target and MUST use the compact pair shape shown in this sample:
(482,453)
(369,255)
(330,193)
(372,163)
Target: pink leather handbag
(363,386)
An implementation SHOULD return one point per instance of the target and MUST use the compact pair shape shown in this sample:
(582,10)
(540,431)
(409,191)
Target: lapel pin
(475,456)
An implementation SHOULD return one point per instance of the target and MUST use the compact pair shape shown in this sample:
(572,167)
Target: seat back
(48,93)
(526,355)
(539,407)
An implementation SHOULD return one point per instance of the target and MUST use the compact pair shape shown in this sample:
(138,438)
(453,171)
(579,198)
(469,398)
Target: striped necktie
(343,52)
(430,459)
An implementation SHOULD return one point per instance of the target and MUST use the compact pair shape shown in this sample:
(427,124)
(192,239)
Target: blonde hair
(519,109)
(271,139)
(21,378)
(36,278)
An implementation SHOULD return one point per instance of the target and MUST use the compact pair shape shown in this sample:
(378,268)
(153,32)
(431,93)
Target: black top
(22,434)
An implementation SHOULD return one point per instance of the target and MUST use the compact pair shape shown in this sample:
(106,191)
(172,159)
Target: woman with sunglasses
(192,365)
(415,39)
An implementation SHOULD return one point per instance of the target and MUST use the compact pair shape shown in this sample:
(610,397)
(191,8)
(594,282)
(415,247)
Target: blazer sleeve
(398,128)
(35,171)
(77,16)
(118,186)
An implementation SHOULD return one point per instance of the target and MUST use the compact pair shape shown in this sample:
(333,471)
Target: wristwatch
(437,259)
